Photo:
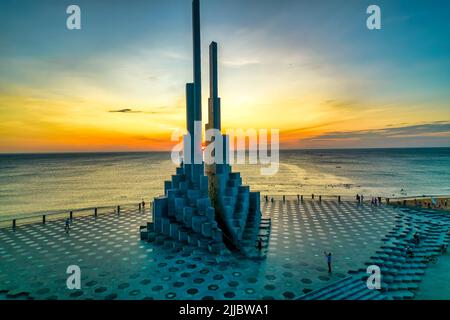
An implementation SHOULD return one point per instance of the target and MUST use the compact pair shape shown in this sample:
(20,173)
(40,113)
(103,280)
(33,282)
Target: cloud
(175,55)
(125,111)
(437,128)
(342,104)
(158,110)
(240,62)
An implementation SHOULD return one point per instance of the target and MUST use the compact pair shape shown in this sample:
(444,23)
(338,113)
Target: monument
(205,205)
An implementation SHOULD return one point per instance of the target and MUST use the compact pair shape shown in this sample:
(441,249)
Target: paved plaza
(116,264)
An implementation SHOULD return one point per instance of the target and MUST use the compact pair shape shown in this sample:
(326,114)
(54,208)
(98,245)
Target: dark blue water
(39,182)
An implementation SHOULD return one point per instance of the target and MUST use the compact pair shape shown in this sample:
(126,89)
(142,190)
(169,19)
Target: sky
(311,69)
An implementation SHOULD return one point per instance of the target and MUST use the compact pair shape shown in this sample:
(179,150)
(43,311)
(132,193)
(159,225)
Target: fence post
(339,199)
(43,219)
(95,212)
(71,215)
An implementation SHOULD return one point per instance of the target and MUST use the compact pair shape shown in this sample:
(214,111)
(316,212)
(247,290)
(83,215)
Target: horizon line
(168,151)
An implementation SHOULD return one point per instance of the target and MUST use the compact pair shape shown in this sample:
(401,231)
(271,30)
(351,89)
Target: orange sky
(120,87)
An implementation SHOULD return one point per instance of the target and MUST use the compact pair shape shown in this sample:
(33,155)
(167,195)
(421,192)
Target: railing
(302,197)
(45,217)
(444,200)
(421,197)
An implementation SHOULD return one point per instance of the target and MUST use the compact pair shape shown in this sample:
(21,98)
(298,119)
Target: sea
(37,183)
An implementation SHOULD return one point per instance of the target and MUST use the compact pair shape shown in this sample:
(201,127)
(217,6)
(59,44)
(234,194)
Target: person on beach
(328,257)
(358,198)
(67,225)
(362,198)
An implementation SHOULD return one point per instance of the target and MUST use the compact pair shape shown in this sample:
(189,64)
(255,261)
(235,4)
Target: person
(67,225)
(379,201)
(362,198)
(260,243)
(416,238)
(328,257)
(357,198)
(143,203)
(409,252)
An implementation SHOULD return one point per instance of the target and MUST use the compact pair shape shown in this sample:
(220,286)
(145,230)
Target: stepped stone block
(193,195)
(174,227)
(187,215)
(207,229)
(167,186)
(210,214)
(159,207)
(214,247)
(197,222)
(179,171)
(203,243)
(217,235)
(203,203)
(182,235)
(165,223)
(193,238)
(244,189)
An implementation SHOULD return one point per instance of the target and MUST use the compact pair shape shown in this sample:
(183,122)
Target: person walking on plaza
(328,257)
(67,225)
